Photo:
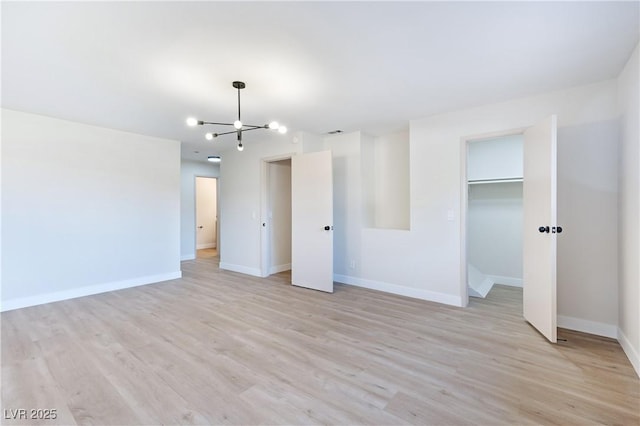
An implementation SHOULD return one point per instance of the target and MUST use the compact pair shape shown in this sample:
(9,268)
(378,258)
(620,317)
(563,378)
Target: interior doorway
(297,219)
(206,212)
(276,217)
(536,152)
(494,213)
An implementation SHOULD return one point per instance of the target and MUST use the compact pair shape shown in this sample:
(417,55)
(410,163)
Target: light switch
(451,215)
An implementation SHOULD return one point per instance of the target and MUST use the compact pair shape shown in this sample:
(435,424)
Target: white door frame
(195,213)
(265,238)
(464,201)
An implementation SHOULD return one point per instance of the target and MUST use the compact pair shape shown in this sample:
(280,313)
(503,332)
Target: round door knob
(544,229)
(559,229)
(327,228)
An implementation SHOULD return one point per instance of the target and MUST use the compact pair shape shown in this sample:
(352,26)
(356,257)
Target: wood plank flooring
(217,347)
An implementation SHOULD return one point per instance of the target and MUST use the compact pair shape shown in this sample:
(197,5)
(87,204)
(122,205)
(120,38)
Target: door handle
(327,228)
(544,229)
(200,227)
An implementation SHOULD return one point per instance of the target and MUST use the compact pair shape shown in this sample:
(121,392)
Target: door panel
(539,210)
(311,213)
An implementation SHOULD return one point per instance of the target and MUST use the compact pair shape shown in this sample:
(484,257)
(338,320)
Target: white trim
(205,246)
(240,268)
(481,290)
(195,212)
(510,281)
(265,231)
(629,350)
(40,299)
(190,256)
(280,268)
(586,326)
(416,293)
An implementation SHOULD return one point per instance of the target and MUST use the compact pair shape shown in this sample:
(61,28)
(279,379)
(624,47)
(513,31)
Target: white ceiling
(146,66)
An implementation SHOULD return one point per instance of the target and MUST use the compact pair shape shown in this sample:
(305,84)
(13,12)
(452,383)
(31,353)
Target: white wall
(206,212)
(495,158)
(494,231)
(84,209)
(629,213)
(587,253)
(188,172)
(279,215)
(347,202)
(386,179)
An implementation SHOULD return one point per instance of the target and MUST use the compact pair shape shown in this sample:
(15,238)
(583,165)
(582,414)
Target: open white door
(539,234)
(312,221)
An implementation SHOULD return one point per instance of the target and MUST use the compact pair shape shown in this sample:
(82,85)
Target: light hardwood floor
(223,348)
(207,253)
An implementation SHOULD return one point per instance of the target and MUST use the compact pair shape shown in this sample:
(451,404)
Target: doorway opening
(276,218)
(297,219)
(493,200)
(537,156)
(207,230)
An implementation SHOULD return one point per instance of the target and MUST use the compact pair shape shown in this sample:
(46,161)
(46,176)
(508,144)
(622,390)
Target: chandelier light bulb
(240,147)
(282,129)
(209,136)
(237,124)
(274,125)
(191,122)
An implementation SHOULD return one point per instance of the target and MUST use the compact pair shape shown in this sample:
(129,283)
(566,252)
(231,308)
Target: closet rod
(505,180)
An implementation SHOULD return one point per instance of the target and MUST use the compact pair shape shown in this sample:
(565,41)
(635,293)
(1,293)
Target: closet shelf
(503,180)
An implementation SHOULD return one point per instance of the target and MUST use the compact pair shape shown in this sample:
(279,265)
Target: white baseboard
(280,268)
(241,268)
(416,293)
(482,289)
(40,299)
(205,246)
(510,281)
(190,256)
(630,351)
(586,326)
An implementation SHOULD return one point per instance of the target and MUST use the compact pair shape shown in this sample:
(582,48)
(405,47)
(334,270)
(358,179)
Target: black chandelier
(238,125)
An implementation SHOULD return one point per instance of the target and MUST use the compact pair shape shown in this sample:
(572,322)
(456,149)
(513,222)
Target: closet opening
(493,209)
(276,218)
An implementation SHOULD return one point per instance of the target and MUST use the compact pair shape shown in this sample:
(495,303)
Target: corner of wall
(629,209)
(630,351)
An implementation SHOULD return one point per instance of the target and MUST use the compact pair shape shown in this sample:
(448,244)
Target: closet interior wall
(494,218)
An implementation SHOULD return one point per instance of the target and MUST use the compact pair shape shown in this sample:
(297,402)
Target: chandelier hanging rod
(238,124)
(215,135)
(264,126)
